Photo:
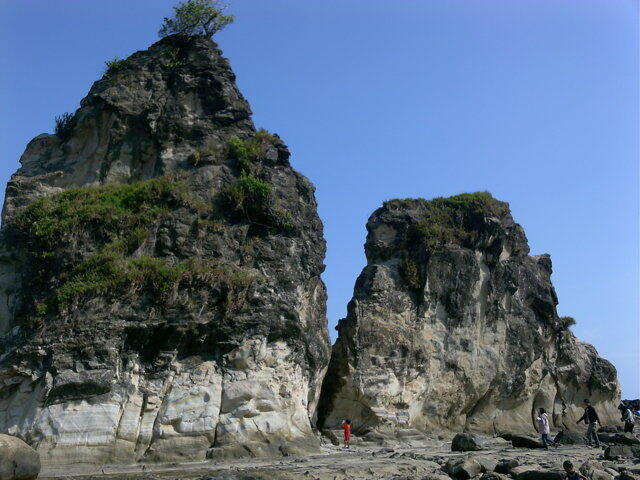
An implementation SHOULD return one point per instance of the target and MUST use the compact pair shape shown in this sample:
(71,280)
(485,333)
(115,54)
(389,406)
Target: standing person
(346,425)
(590,417)
(543,428)
(627,417)
(571,473)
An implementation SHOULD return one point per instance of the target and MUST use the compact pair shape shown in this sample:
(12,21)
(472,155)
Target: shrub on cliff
(196,17)
(455,219)
(116,65)
(253,199)
(566,322)
(65,124)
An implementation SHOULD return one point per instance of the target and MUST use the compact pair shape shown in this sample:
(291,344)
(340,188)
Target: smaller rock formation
(453,326)
(18,461)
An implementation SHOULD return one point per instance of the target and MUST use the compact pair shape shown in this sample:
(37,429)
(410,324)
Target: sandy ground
(334,463)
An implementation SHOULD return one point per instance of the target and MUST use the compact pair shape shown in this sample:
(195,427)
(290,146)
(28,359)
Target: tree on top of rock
(196,17)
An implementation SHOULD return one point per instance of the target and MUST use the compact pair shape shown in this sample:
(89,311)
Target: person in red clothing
(346,425)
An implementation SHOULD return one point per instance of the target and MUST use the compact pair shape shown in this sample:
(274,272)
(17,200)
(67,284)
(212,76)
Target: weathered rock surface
(160,261)
(453,325)
(18,461)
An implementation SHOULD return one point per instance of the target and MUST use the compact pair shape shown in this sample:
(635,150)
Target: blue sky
(534,100)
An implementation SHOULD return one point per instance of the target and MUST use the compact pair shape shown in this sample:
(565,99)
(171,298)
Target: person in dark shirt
(571,473)
(590,417)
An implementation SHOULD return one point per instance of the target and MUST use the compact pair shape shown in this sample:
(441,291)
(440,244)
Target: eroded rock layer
(160,261)
(453,325)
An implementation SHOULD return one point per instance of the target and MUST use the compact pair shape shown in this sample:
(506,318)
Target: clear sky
(534,100)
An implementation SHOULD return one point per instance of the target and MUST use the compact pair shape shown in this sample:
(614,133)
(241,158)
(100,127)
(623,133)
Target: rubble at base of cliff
(366,460)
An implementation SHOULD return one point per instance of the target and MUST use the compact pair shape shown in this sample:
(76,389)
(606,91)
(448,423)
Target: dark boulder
(569,437)
(525,441)
(466,442)
(616,452)
(538,474)
(506,465)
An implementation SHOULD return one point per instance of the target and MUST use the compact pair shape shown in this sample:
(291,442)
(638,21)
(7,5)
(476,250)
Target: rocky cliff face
(160,270)
(453,325)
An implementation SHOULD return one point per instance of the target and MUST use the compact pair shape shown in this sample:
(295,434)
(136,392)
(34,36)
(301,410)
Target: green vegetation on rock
(566,322)
(410,274)
(111,212)
(118,219)
(65,124)
(107,272)
(173,58)
(453,219)
(246,152)
(253,199)
(116,65)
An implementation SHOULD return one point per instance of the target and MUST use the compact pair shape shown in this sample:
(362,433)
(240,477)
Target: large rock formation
(453,325)
(160,261)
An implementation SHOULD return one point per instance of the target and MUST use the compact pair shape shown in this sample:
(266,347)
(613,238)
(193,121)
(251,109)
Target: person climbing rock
(627,418)
(346,425)
(590,417)
(571,473)
(543,428)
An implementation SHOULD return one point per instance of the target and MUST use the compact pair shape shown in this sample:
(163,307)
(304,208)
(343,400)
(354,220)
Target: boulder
(488,464)
(615,452)
(624,439)
(462,468)
(331,436)
(526,441)
(569,437)
(506,465)
(18,461)
(466,442)
(539,474)
(626,475)
(493,476)
(595,470)
(436,476)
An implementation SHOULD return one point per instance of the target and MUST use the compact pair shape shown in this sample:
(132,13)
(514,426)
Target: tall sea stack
(160,268)
(453,326)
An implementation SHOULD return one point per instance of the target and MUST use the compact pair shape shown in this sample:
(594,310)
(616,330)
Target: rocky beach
(163,315)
